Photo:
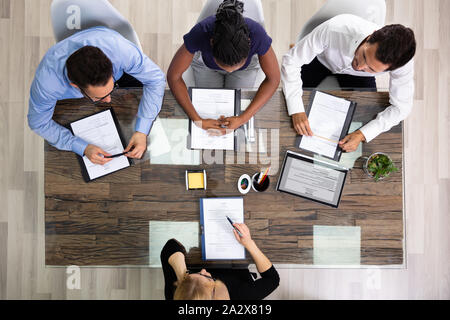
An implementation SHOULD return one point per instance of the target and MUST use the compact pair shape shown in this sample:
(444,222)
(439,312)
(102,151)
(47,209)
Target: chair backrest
(371,10)
(252,9)
(71,16)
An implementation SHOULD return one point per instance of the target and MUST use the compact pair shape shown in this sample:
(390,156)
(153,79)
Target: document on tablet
(329,118)
(312,179)
(218,240)
(211,104)
(100,130)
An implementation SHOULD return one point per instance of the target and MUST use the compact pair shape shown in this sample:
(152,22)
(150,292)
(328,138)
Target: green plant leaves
(381,166)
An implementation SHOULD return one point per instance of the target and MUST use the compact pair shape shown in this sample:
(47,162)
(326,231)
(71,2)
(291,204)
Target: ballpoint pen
(117,155)
(231,222)
(120,154)
(324,138)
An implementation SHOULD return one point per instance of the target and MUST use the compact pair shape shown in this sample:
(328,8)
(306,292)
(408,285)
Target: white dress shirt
(334,42)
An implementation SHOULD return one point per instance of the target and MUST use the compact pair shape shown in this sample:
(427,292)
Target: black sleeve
(261,288)
(170,277)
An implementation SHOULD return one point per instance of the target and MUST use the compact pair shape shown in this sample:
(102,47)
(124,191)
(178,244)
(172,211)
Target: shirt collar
(356,41)
(66,77)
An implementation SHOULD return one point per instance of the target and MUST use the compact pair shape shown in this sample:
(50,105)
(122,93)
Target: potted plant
(378,166)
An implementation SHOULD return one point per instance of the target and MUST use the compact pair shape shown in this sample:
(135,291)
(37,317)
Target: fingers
(103,152)
(348,147)
(212,124)
(308,128)
(137,146)
(97,157)
(243,229)
(302,127)
(296,125)
(217,132)
(136,152)
(305,128)
(345,140)
(217,125)
(298,129)
(344,143)
(128,148)
(225,121)
(347,144)
(236,235)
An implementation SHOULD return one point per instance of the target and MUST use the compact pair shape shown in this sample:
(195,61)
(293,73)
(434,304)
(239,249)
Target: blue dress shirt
(51,84)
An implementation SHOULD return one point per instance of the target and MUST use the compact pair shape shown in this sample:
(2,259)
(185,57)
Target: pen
(120,154)
(117,155)
(334,141)
(231,222)
(263,177)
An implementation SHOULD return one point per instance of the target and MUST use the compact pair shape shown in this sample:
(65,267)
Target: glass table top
(125,218)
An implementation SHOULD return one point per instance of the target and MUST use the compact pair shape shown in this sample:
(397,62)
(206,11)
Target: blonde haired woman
(222,284)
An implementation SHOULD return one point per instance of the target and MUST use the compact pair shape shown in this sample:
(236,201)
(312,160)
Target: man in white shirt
(355,50)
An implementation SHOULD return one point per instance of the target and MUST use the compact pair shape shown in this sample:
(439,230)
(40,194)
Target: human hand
(96,154)
(246,238)
(232,123)
(301,124)
(214,127)
(351,141)
(137,145)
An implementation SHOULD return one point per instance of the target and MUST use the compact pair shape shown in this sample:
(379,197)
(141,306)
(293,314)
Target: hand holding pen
(242,234)
(119,154)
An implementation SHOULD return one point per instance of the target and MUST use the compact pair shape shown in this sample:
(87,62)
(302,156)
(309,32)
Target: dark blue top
(199,39)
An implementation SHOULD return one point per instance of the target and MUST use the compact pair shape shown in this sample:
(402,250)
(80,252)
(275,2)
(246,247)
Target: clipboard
(345,128)
(237,112)
(84,171)
(282,185)
(202,228)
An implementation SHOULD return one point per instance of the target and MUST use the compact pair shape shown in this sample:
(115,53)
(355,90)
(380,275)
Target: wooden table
(106,222)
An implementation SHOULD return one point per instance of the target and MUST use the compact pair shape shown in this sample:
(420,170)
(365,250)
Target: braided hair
(230,41)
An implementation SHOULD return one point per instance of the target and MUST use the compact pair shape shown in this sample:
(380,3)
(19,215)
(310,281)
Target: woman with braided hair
(226,49)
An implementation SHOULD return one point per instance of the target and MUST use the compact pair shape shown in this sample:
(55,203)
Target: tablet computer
(312,179)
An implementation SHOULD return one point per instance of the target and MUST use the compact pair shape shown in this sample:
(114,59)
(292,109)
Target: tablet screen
(312,179)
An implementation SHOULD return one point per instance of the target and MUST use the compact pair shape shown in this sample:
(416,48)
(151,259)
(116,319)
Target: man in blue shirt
(88,64)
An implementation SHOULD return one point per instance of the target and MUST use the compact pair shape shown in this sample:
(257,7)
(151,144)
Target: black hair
(396,45)
(230,41)
(89,66)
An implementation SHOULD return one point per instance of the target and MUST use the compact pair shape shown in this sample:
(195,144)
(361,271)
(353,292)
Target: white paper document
(326,119)
(211,104)
(100,130)
(218,238)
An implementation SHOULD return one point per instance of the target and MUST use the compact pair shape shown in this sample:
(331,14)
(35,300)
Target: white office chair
(371,10)
(252,9)
(71,16)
